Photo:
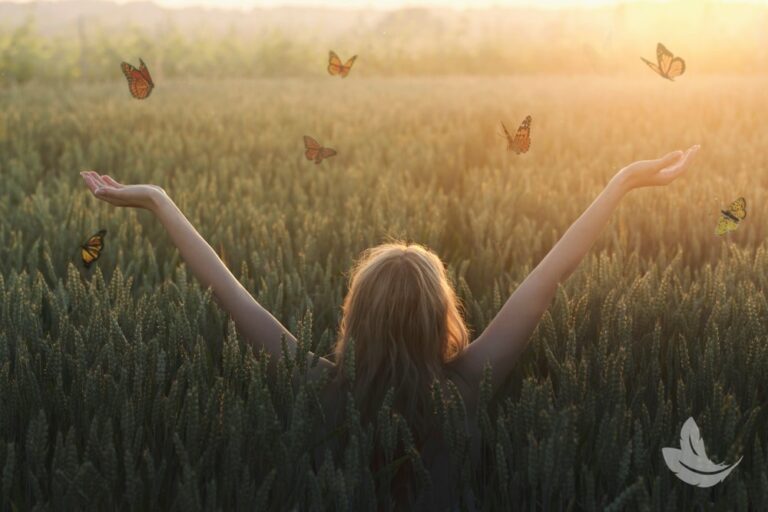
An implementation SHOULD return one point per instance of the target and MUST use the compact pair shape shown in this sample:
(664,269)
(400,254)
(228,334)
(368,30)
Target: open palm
(110,190)
(659,172)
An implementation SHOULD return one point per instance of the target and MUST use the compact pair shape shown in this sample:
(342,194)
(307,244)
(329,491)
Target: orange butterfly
(90,251)
(139,80)
(314,151)
(522,139)
(668,65)
(335,67)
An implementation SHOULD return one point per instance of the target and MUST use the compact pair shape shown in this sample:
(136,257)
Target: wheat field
(124,387)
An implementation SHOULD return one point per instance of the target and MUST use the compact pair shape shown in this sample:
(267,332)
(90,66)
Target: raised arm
(505,338)
(254,322)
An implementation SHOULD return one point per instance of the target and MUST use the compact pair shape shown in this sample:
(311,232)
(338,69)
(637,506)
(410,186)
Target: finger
(97,184)
(684,162)
(110,194)
(665,161)
(92,185)
(650,167)
(94,181)
(103,186)
(673,172)
(92,176)
(99,179)
(112,181)
(85,175)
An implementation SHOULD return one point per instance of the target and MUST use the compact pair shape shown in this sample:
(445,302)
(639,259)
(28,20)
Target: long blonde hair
(406,323)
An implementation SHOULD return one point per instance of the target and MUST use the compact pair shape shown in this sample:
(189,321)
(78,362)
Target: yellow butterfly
(335,67)
(730,218)
(90,251)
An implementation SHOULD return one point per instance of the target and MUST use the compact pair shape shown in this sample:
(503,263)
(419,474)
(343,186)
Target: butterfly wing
(311,143)
(324,153)
(90,251)
(334,63)
(345,69)
(312,148)
(738,208)
(129,71)
(724,225)
(138,85)
(676,68)
(522,141)
(145,73)
(88,256)
(669,65)
(663,57)
(652,66)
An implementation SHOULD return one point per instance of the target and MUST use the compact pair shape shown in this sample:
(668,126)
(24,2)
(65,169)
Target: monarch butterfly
(139,80)
(729,219)
(335,67)
(668,65)
(314,151)
(522,139)
(90,251)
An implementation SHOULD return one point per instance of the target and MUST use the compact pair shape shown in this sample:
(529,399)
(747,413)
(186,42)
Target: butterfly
(668,66)
(314,151)
(730,218)
(139,80)
(90,251)
(522,139)
(335,67)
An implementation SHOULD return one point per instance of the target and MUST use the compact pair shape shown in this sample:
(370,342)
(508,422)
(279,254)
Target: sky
(384,4)
(394,4)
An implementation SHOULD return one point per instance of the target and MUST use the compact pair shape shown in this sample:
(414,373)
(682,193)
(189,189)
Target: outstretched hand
(135,196)
(255,323)
(660,172)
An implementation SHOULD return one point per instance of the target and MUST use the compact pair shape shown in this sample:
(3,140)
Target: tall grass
(123,387)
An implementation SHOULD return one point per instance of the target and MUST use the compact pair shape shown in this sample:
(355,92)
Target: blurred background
(84,40)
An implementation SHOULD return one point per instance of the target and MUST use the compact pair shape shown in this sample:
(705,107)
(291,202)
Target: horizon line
(394,5)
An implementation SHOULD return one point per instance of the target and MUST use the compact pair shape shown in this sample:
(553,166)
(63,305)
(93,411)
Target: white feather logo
(690,462)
